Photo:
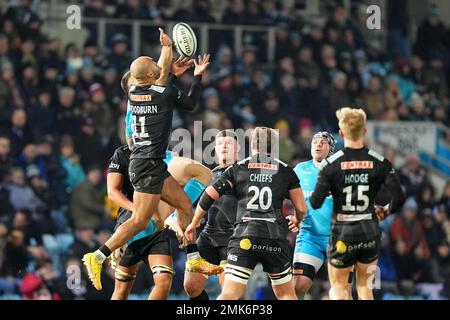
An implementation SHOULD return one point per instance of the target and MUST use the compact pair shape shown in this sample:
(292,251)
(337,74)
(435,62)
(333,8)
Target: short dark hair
(227,133)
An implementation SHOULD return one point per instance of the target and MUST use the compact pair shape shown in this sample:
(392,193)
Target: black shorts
(343,254)
(209,252)
(148,175)
(139,250)
(274,255)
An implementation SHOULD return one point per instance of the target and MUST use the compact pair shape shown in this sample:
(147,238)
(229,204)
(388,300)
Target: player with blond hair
(354,176)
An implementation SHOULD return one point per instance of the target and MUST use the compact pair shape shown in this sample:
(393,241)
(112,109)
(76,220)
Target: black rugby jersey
(354,177)
(152,110)
(119,163)
(221,215)
(261,184)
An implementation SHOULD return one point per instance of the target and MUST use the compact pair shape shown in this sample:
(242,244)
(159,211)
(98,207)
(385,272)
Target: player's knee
(301,286)
(139,224)
(163,282)
(204,175)
(338,292)
(192,287)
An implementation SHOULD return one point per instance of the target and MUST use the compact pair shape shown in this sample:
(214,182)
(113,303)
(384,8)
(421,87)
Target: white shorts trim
(281,278)
(237,274)
(308,259)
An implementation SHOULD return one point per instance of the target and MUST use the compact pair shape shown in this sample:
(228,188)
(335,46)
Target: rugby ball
(184,39)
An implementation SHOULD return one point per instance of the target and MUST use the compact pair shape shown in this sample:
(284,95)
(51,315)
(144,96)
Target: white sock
(193,255)
(99,256)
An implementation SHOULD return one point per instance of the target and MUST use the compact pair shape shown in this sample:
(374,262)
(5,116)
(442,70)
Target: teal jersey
(316,221)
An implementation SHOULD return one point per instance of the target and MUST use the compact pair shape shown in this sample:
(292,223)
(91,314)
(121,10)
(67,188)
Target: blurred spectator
(153,11)
(70,161)
(235,13)
(21,196)
(16,255)
(31,158)
(412,176)
(373,97)
(19,132)
(432,35)
(130,9)
(398,22)
(86,207)
(445,199)
(408,229)
(119,58)
(6,160)
(286,145)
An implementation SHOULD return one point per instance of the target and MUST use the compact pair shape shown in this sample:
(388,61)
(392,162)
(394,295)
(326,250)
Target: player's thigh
(309,255)
(145,205)
(339,276)
(240,264)
(184,169)
(173,194)
(232,289)
(365,272)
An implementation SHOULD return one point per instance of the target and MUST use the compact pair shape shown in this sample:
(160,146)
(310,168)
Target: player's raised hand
(293,224)
(181,65)
(201,64)
(164,38)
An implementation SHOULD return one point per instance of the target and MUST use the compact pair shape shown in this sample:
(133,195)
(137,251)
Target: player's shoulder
(123,150)
(331,159)
(375,155)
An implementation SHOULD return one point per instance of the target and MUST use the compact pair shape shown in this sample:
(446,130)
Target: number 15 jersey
(354,177)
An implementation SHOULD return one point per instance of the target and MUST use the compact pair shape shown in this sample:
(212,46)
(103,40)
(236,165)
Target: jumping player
(213,241)
(152,108)
(260,183)
(312,241)
(187,172)
(354,176)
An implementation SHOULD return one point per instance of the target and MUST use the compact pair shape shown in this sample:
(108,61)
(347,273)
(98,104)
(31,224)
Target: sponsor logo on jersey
(245,244)
(348,165)
(265,248)
(113,165)
(262,166)
(336,262)
(140,97)
(341,247)
(232,257)
(362,245)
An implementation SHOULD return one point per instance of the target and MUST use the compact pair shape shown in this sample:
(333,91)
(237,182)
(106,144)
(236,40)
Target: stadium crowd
(62,115)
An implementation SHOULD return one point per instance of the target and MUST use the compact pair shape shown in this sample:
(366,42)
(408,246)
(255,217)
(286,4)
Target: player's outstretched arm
(395,189)
(209,196)
(188,102)
(114,182)
(165,59)
(298,200)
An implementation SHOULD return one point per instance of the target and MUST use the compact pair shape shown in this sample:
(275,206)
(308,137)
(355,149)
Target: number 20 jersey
(260,185)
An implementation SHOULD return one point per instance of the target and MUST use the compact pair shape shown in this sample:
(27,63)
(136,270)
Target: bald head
(145,70)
